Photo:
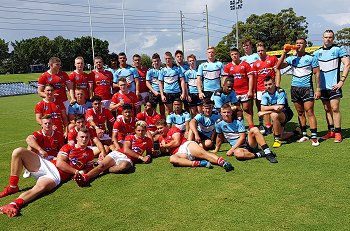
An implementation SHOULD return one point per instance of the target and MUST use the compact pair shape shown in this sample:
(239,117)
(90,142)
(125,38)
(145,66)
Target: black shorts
(195,100)
(330,94)
(208,94)
(289,115)
(203,137)
(155,99)
(301,94)
(170,97)
(249,148)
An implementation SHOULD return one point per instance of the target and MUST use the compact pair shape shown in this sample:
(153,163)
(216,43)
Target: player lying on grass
(49,174)
(123,159)
(243,147)
(186,153)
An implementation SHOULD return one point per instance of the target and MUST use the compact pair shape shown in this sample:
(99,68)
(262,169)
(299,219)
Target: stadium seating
(18,88)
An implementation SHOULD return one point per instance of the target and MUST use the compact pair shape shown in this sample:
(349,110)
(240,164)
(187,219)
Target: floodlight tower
(236,5)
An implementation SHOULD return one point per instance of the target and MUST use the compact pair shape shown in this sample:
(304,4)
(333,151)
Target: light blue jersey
(184,67)
(130,73)
(230,130)
(152,76)
(220,98)
(171,79)
(191,79)
(279,97)
(206,125)
(211,73)
(250,58)
(76,108)
(115,75)
(329,60)
(302,69)
(179,121)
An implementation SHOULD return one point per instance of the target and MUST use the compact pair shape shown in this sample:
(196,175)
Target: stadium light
(236,5)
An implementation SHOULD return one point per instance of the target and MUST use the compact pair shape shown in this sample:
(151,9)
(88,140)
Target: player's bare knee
(238,154)
(254,130)
(18,152)
(274,116)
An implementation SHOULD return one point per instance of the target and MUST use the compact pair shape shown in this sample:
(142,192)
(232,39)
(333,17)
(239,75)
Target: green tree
(343,37)
(4,49)
(273,29)
(146,60)
(82,47)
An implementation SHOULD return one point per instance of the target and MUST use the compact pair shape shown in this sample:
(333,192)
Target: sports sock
(220,161)
(266,149)
(303,130)
(313,133)
(19,202)
(277,137)
(337,130)
(196,163)
(251,126)
(14,181)
(331,128)
(261,121)
(268,125)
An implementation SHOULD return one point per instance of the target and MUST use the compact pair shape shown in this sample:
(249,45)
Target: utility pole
(236,5)
(182,33)
(207,24)
(124,26)
(91,35)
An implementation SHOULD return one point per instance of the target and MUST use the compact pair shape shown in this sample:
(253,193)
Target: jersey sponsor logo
(57,85)
(238,76)
(75,161)
(102,82)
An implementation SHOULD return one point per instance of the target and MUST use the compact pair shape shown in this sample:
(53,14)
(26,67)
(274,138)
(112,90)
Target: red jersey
(130,98)
(81,81)
(263,69)
(79,158)
(102,81)
(50,143)
(151,120)
(240,74)
(169,137)
(138,145)
(99,118)
(122,128)
(55,109)
(59,82)
(73,133)
(142,79)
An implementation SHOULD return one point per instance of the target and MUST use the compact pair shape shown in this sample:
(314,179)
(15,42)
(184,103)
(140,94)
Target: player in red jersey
(49,174)
(264,66)
(186,153)
(97,117)
(59,79)
(124,96)
(140,82)
(124,125)
(101,81)
(123,159)
(49,106)
(45,142)
(243,83)
(94,143)
(79,78)
(150,116)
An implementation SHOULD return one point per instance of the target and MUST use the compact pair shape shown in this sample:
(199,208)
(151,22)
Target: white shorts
(105,137)
(47,170)
(118,156)
(183,149)
(242,98)
(144,95)
(259,95)
(106,103)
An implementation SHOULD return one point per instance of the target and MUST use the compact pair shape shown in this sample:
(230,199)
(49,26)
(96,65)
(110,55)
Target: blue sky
(154,26)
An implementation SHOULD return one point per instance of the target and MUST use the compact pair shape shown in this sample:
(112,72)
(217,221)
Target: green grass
(307,190)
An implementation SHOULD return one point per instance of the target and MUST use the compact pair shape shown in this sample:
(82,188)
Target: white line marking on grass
(12,142)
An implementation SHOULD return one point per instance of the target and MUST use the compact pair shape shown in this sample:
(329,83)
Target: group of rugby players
(103,118)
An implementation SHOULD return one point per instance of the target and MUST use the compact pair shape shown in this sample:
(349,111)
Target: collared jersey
(211,73)
(191,79)
(179,120)
(329,60)
(206,125)
(220,98)
(250,58)
(130,74)
(262,69)
(152,76)
(80,80)
(171,78)
(230,130)
(58,81)
(169,137)
(240,74)
(102,82)
(50,143)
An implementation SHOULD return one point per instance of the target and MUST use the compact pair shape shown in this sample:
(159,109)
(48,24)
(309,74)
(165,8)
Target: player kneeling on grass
(274,102)
(123,159)
(186,153)
(233,130)
(71,159)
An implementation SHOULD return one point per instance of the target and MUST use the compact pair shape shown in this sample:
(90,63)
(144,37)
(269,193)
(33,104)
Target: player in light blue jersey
(79,107)
(242,147)
(128,72)
(202,126)
(249,56)
(303,67)
(152,82)
(191,78)
(209,75)
(179,118)
(113,67)
(330,56)
(179,58)
(171,83)
(224,95)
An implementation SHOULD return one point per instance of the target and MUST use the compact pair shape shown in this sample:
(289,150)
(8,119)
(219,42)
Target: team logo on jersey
(49,78)
(96,76)
(46,107)
(242,67)
(77,77)
(268,61)
(205,66)
(258,65)
(224,127)
(232,68)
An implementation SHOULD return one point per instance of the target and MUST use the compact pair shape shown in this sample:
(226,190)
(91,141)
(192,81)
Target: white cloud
(150,40)
(339,19)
